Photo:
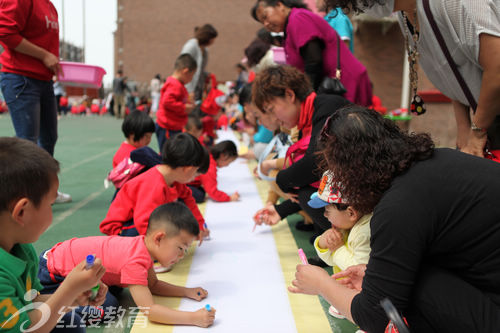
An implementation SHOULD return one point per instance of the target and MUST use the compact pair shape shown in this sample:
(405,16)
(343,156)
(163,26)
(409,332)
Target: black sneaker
(302,226)
(317,262)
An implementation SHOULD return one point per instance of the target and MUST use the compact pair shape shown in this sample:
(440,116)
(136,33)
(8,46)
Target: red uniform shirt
(171,113)
(122,153)
(209,183)
(37,22)
(140,196)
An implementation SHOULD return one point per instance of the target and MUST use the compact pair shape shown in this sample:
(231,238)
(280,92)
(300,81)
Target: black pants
(286,208)
(198,193)
(445,303)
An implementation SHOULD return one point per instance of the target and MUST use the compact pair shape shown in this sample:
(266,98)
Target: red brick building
(150,35)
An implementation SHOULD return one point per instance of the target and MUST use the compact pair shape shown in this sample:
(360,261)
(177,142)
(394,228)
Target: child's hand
(81,280)
(101,295)
(334,239)
(204,318)
(196,293)
(201,236)
(235,196)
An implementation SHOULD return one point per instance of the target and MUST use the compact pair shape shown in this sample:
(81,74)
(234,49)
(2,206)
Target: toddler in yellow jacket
(347,243)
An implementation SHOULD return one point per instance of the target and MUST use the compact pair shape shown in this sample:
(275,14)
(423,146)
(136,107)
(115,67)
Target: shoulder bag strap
(447,54)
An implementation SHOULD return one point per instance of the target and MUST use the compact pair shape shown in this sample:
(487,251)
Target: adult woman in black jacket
(287,93)
(435,230)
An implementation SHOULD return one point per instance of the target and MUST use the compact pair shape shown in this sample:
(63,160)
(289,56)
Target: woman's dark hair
(256,51)
(366,152)
(274,3)
(356,5)
(226,147)
(245,94)
(137,123)
(193,121)
(273,82)
(205,34)
(26,171)
(185,150)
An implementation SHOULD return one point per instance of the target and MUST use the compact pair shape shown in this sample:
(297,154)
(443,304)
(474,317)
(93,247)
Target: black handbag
(332,85)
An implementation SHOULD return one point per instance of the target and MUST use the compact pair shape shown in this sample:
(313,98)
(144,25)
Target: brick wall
(151,34)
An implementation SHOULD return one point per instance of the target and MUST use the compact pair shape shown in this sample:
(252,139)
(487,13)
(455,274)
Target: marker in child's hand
(208,307)
(303,257)
(199,294)
(90,262)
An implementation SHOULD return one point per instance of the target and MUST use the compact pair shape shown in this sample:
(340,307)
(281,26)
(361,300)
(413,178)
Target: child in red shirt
(174,100)
(183,158)
(138,129)
(221,155)
(194,127)
(129,263)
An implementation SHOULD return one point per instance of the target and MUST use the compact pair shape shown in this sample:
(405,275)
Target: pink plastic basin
(81,75)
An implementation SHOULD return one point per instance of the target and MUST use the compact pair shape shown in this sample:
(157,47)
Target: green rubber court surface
(85,149)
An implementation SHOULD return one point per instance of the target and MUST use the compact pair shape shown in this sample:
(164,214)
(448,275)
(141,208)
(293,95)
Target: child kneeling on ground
(183,158)
(129,263)
(332,246)
(29,182)
(221,155)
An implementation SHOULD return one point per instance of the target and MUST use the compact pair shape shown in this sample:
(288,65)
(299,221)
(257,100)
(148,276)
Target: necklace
(417,103)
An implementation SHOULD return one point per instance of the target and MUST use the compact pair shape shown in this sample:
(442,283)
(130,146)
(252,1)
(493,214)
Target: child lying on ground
(129,263)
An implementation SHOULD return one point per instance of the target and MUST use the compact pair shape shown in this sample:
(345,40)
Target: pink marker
(303,257)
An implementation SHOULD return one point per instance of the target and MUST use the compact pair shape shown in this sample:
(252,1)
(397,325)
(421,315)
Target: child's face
(145,140)
(187,75)
(341,219)
(224,160)
(187,174)
(195,132)
(38,219)
(173,249)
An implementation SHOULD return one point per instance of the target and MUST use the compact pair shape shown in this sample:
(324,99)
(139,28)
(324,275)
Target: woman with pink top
(311,46)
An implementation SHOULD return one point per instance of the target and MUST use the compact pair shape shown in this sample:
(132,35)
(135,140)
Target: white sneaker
(335,313)
(63,198)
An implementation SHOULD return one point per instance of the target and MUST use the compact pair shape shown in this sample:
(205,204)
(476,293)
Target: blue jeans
(161,136)
(82,314)
(33,109)
(128,229)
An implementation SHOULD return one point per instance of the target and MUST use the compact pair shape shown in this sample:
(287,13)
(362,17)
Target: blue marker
(90,262)
(199,294)
(208,307)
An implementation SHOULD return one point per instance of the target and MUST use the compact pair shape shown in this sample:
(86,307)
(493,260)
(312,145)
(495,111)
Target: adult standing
(29,33)
(471,32)
(434,238)
(311,45)
(204,36)
(155,88)
(119,88)
(286,93)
